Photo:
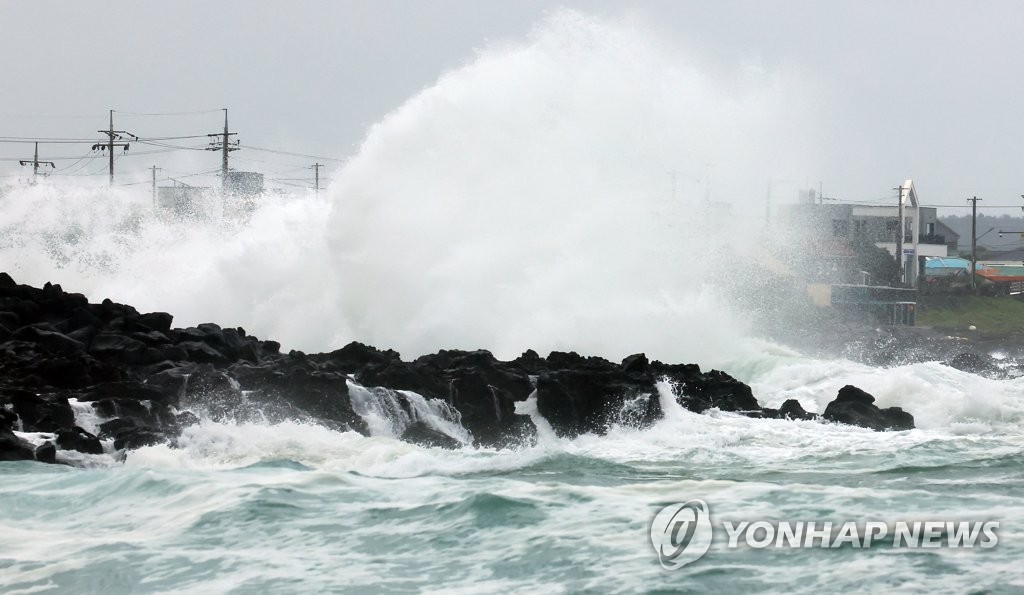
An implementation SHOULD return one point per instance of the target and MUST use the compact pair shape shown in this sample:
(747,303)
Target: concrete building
(190,202)
(243,182)
(818,225)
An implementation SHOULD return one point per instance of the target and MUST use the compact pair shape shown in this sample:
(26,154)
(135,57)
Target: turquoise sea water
(297,508)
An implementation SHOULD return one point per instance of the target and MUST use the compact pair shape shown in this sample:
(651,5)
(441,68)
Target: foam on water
(937,395)
(715,440)
(523,518)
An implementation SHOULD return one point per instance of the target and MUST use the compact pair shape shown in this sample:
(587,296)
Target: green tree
(876,261)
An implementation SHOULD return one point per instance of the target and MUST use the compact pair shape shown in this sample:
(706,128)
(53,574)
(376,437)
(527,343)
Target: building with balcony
(817,225)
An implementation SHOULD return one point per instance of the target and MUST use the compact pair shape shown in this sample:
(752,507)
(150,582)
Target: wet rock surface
(146,381)
(855,407)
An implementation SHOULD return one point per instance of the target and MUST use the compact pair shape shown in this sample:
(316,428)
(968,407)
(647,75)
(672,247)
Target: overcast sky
(924,90)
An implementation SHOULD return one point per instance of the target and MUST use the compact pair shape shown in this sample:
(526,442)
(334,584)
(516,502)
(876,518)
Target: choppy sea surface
(292,507)
(519,202)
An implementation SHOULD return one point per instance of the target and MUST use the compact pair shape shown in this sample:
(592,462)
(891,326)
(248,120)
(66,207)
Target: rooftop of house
(1007,256)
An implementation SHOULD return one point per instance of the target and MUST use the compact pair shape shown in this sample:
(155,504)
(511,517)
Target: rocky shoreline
(856,339)
(61,355)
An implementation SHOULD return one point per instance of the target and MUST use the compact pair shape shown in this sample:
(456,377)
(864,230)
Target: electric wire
(289,153)
(189,113)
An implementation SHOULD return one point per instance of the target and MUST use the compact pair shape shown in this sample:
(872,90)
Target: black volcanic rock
(46,453)
(588,395)
(530,362)
(698,391)
(147,381)
(49,339)
(78,439)
(791,409)
(157,321)
(422,377)
(855,407)
(983,365)
(355,357)
(294,386)
(136,437)
(119,348)
(124,389)
(12,448)
(420,433)
(38,412)
(485,392)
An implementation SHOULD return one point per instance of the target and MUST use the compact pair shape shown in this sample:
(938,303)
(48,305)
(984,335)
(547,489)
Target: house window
(860,227)
(929,229)
(840,228)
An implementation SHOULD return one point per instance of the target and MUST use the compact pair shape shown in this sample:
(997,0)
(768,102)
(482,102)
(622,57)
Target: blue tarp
(947,263)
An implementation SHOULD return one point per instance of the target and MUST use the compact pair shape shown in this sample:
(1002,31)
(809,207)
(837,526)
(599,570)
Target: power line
(41,117)
(47,140)
(97,172)
(289,153)
(969,206)
(171,178)
(278,181)
(192,113)
(163,138)
(97,116)
(869,204)
(82,160)
(90,155)
(169,146)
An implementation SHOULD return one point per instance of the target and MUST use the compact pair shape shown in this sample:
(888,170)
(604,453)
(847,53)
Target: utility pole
(225,146)
(899,237)
(36,162)
(110,146)
(155,169)
(974,241)
(316,168)
(112,137)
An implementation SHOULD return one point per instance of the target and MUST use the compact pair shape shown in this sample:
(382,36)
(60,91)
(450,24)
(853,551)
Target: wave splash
(522,201)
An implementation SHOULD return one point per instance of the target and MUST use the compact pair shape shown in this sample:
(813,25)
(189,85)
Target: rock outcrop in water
(146,381)
(855,407)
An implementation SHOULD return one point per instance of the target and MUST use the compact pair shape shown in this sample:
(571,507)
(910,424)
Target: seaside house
(826,229)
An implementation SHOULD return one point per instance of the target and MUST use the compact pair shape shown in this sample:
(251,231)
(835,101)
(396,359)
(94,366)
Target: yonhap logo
(681,533)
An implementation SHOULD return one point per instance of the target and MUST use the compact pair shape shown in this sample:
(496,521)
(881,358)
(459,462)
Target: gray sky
(900,89)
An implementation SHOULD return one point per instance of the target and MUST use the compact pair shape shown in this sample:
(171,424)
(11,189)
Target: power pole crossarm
(113,140)
(35,162)
(225,146)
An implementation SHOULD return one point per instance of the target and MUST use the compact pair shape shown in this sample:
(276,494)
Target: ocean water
(520,202)
(299,508)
